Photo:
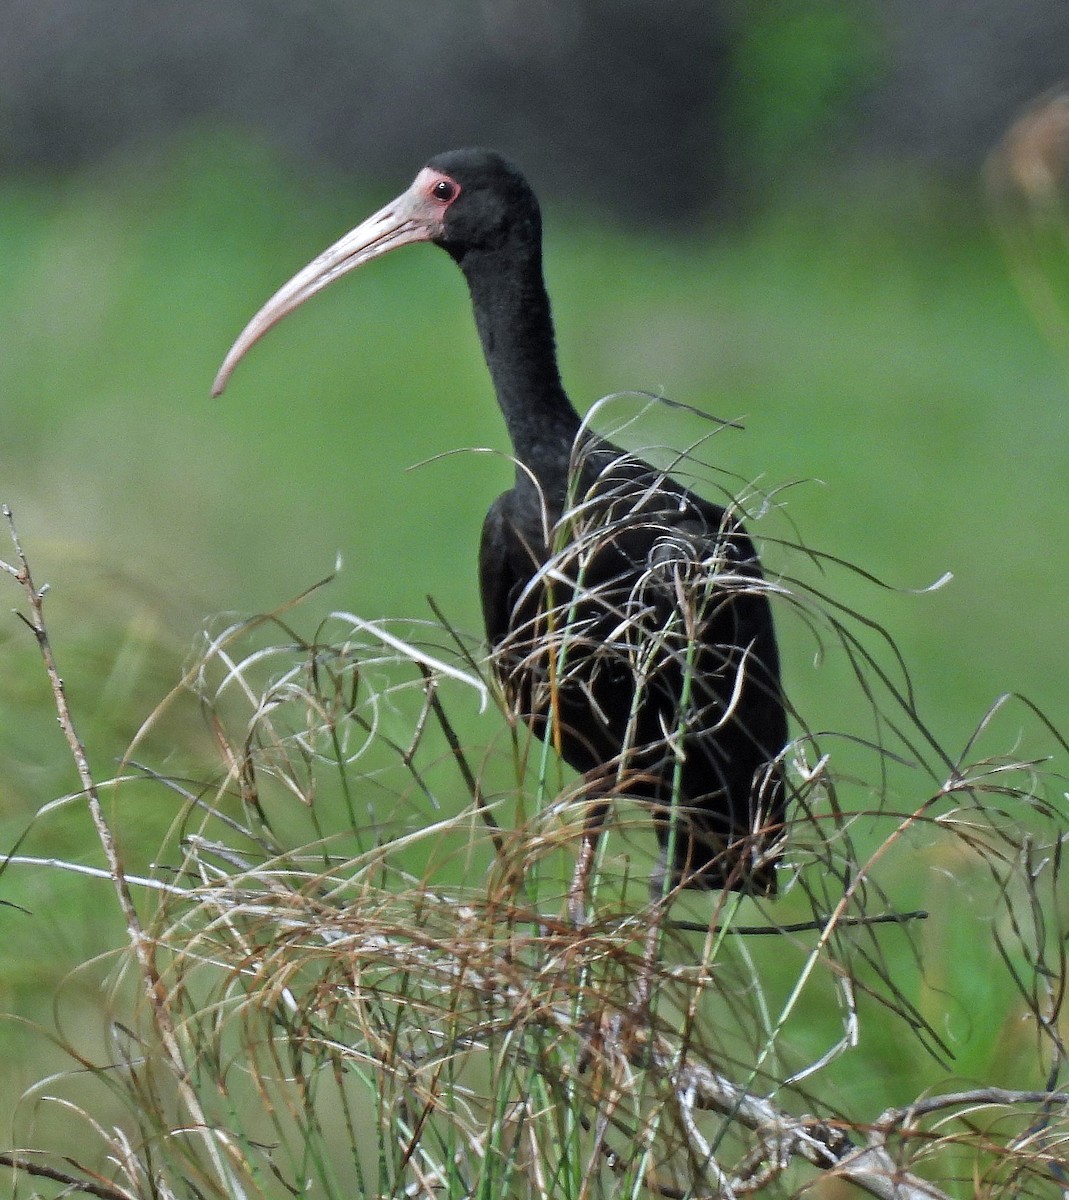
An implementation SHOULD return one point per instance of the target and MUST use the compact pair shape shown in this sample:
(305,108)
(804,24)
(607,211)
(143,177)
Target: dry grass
(353,970)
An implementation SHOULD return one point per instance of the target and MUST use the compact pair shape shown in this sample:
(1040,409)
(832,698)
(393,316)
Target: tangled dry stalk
(342,980)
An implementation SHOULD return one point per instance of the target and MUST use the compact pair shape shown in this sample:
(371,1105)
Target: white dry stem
(141,945)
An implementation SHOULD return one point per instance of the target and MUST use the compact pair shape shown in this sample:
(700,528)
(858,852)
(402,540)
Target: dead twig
(142,946)
(88,1187)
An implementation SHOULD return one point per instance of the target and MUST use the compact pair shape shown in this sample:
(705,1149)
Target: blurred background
(774,213)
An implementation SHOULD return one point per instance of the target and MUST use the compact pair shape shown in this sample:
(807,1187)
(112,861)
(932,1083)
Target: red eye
(445,190)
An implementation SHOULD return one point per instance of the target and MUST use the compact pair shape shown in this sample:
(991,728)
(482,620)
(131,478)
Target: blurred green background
(811,256)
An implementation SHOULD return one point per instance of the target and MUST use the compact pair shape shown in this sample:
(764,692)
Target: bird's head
(469,201)
(492,205)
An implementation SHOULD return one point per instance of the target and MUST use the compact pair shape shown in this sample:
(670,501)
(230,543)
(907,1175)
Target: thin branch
(869,1167)
(142,946)
(39,1170)
(60,864)
(816,926)
(898,1118)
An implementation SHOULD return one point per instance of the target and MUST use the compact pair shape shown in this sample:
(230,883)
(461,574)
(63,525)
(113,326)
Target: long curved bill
(412,217)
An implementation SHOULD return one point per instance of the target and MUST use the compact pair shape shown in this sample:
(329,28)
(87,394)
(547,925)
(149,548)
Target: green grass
(870,340)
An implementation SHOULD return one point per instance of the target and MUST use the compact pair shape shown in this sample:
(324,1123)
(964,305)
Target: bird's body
(628,618)
(641,644)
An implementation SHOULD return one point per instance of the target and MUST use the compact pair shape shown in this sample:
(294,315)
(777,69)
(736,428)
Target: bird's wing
(497,577)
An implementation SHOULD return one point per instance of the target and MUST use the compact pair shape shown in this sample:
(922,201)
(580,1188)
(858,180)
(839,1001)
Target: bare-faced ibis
(628,618)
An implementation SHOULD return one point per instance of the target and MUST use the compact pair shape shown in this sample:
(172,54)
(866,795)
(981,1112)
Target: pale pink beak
(415,216)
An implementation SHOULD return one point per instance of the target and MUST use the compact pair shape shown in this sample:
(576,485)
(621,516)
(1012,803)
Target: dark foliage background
(651,108)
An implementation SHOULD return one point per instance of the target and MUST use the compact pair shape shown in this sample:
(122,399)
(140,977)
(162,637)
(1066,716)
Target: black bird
(628,617)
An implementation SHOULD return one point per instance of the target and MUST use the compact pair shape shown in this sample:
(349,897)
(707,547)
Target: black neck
(515,326)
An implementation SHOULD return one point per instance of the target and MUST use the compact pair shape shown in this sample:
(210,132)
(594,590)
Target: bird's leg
(644,987)
(664,885)
(584,867)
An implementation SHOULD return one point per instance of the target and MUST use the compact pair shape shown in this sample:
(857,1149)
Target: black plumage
(628,617)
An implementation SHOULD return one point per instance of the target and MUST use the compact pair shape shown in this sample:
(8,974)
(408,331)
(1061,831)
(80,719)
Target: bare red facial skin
(443,188)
